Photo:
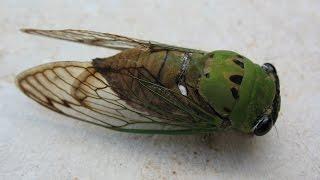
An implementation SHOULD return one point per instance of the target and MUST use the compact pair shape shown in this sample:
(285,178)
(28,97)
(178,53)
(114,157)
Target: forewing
(105,40)
(77,90)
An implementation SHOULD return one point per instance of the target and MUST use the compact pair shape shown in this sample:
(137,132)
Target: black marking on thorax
(237,79)
(238,60)
(235,93)
(239,63)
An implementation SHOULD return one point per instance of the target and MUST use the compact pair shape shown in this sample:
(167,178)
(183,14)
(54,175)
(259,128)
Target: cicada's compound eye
(269,68)
(264,125)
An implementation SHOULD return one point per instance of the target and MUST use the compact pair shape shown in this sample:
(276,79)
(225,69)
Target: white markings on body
(184,67)
(183,89)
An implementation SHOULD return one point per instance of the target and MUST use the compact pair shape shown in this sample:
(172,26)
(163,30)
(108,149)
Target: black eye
(263,127)
(269,68)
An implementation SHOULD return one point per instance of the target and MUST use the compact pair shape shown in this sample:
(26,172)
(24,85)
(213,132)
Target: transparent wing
(77,90)
(105,40)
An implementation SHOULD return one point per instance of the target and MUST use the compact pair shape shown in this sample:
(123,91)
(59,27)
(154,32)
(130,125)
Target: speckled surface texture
(36,143)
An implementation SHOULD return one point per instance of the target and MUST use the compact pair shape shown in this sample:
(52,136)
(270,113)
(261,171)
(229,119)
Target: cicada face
(242,92)
(268,119)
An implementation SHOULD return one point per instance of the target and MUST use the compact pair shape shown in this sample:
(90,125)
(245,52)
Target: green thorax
(236,88)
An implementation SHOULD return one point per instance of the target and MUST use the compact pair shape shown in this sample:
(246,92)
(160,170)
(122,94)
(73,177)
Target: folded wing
(106,40)
(77,90)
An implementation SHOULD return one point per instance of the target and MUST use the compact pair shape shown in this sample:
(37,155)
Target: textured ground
(36,143)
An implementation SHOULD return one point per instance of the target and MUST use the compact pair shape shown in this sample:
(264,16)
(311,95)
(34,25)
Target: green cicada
(156,88)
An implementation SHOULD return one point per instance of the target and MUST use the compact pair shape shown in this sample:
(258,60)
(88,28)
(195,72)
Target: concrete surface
(36,143)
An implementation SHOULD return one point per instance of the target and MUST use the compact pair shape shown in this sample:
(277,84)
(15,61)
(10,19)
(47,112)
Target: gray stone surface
(36,143)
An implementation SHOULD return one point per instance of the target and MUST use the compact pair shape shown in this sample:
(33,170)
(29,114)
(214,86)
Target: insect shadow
(213,153)
(217,152)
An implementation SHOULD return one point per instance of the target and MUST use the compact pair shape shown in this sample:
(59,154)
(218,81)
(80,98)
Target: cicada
(155,88)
